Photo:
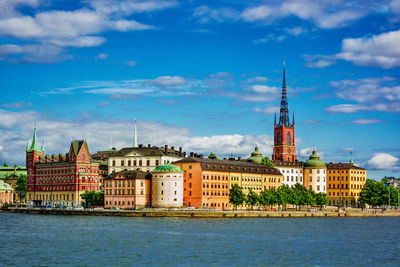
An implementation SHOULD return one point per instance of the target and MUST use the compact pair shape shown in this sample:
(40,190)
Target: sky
(204,75)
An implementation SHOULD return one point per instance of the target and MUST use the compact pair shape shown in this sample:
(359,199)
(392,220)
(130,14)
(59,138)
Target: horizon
(206,77)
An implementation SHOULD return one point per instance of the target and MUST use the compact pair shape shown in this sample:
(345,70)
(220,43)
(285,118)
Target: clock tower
(284,141)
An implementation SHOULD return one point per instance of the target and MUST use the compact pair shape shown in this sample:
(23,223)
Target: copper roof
(342,166)
(231,166)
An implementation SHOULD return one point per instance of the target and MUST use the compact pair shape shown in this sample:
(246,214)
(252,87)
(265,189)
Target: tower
(284,138)
(32,156)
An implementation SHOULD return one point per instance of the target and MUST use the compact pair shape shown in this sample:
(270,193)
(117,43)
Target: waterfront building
(145,158)
(292,171)
(102,158)
(10,175)
(284,131)
(207,181)
(345,182)
(60,179)
(315,173)
(127,189)
(6,193)
(167,187)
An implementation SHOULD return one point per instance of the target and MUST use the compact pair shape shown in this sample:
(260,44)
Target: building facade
(207,181)
(345,182)
(167,187)
(127,189)
(6,194)
(144,158)
(102,158)
(60,179)
(292,171)
(315,173)
(284,131)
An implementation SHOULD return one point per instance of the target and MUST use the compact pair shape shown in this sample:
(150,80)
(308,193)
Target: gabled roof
(231,166)
(77,146)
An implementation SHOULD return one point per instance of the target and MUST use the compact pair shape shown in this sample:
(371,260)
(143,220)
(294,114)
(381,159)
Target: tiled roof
(136,174)
(342,166)
(231,166)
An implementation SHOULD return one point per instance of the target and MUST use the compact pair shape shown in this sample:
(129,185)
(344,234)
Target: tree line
(375,193)
(298,195)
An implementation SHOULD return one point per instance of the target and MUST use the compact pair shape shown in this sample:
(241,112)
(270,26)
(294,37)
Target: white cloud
(319,61)
(395,6)
(16,105)
(205,14)
(306,152)
(366,121)
(17,127)
(76,28)
(380,50)
(131,63)
(346,108)
(102,56)
(324,14)
(268,110)
(169,81)
(264,89)
(383,161)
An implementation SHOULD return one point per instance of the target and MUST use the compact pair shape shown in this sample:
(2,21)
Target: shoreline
(204,214)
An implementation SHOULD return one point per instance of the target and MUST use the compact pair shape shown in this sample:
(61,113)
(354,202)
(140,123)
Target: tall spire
(34,145)
(42,149)
(293,119)
(135,136)
(284,112)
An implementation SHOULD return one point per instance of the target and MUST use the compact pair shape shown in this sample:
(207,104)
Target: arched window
(279,139)
(288,139)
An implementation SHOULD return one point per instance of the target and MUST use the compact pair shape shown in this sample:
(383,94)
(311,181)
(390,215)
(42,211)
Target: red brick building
(60,179)
(284,140)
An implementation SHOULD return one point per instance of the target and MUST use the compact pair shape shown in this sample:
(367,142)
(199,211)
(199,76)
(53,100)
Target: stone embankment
(206,213)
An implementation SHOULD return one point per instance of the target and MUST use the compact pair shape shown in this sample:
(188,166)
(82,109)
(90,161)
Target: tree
(374,193)
(321,199)
(5,165)
(212,156)
(252,198)
(93,198)
(267,197)
(282,195)
(265,161)
(21,187)
(236,196)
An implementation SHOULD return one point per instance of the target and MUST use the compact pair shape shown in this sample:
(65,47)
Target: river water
(46,240)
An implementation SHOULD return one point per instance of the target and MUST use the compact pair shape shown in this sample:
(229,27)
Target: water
(33,240)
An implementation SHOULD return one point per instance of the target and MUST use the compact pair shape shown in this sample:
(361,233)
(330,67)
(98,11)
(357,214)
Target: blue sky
(205,75)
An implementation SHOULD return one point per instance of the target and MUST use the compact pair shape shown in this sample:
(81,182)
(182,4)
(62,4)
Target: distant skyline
(206,76)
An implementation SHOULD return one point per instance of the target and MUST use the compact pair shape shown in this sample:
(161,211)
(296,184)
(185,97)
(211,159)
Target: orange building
(345,182)
(207,181)
(127,189)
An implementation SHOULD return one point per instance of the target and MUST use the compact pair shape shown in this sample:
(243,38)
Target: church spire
(135,136)
(42,149)
(284,112)
(34,145)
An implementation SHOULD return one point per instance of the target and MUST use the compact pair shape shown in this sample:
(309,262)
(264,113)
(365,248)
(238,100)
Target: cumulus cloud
(324,14)
(307,151)
(55,29)
(383,161)
(366,121)
(373,94)
(17,127)
(268,110)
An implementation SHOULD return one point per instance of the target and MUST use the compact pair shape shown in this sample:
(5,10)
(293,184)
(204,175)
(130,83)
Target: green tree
(374,193)
(252,198)
(236,196)
(267,197)
(5,165)
(321,199)
(282,195)
(93,198)
(212,156)
(394,197)
(265,161)
(21,187)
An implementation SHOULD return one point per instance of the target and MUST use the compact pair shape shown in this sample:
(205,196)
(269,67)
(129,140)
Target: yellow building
(345,181)
(207,181)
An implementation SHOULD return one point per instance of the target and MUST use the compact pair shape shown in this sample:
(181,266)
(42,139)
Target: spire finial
(351,158)
(34,145)
(135,136)
(284,112)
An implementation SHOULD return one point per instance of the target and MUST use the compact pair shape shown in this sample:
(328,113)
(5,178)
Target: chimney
(140,145)
(172,147)
(180,151)
(184,154)
(191,154)
(148,145)
(166,149)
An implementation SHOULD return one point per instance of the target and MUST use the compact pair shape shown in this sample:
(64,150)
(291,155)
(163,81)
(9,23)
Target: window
(113,162)
(129,164)
(122,162)
(141,183)
(288,139)
(140,163)
(190,193)
(175,192)
(278,140)
(190,175)
(310,171)
(157,162)
(148,162)
(162,192)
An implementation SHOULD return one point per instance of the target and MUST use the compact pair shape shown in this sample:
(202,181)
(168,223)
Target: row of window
(318,179)
(119,203)
(343,194)
(355,179)
(207,185)
(215,193)
(318,188)
(127,192)
(64,179)
(52,197)
(138,162)
(66,170)
(62,188)
(122,183)
(291,171)
(298,179)
(345,186)
(355,172)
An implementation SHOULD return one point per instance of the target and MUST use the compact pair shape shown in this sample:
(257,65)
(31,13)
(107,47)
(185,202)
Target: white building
(144,158)
(167,187)
(292,171)
(315,173)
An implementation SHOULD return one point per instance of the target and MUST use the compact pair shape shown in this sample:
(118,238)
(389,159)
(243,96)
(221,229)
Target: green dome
(256,156)
(167,168)
(314,161)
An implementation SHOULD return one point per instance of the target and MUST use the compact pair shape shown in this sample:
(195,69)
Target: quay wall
(203,214)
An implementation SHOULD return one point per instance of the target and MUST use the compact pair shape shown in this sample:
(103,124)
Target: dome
(314,161)
(256,156)
(167,168)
